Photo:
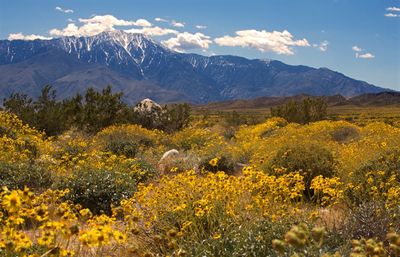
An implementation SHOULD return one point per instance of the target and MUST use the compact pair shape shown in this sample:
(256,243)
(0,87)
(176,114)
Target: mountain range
(387,99)
(142,68)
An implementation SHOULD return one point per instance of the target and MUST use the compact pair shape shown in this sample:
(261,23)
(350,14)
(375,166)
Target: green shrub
(345,134)
(383,171)
(388,162)
(7,132)
(129,149)
(303,240)
(97,189)
(17,176)
(224,164)
(142,171)
(128,140)
(308,110)
(310,159)
(250,239)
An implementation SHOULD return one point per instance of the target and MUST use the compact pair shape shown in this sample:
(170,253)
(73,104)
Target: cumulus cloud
(20,36)
(356,49)
(358,53)
(178,24)
(264,41)
(96,25)
(393,9)
(58,8)
(391,15)
(142,23)
(365,56)
(201,27)
(323,46)
(110,20)
(152,31)
(70,30)
(158,19)
(187,41)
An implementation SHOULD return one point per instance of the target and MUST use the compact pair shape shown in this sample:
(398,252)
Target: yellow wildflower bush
(19,142)
(127,208)
(198,206)
(127,139)
(327,191)
(44,224)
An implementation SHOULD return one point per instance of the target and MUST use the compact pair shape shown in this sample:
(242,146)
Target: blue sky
(360,38)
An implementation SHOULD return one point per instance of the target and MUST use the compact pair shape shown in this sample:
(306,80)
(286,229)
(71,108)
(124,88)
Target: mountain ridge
(386,98)
(136,64)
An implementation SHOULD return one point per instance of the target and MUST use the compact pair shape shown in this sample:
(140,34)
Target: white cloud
(365,56)
(187,41)
(142,23)
(110,20)
(96,25)
(323,46)
(20,36)
(70,30)
(264,41)
(393,9)
(58,8)
(391,15)
(356,49)
(201,27)
(358,53)
(160,19)
(178,24)
(152,31)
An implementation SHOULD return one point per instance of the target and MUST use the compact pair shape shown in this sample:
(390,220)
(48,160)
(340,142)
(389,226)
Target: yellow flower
(67,253)
(12,202)
(41,212)
(119,237)
(216,236)
(214,162)
(85,213)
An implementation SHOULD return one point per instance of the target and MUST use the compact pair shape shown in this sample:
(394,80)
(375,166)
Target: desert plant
(310,159)
(223,163)
(97,189)
(308,110)
(19,175)
(345,134)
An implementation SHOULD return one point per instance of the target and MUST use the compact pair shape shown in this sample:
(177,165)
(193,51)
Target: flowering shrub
(103,195)
(97,189)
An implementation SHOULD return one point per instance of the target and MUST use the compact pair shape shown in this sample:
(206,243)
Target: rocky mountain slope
(140,67)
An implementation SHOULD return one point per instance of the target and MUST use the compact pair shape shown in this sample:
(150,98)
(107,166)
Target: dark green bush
(129,149)
(7,132)
(97,189)
(305,111)
(175,117)
(17,176)
(388,162)
(224,164)
(345,134)
(147,171)
(310,159)
(254,239)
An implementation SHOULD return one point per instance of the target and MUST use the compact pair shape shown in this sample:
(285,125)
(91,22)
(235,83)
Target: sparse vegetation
(324,188)
(308,110)
(91,112)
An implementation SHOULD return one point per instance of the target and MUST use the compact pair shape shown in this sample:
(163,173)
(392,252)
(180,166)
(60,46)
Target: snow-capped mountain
(141,67)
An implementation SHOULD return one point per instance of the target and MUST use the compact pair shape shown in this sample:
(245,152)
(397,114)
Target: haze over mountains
(141,68)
